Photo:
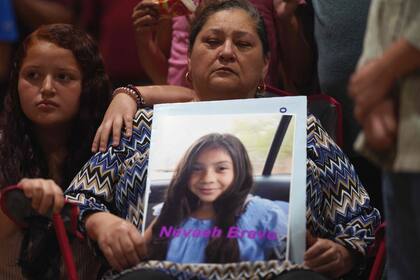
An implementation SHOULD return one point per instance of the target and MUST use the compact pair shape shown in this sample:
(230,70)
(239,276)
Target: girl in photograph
(209,215)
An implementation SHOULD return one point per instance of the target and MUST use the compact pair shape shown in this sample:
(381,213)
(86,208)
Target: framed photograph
(228,174)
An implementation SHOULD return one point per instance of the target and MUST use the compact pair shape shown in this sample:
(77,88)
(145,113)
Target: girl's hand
(119,113)
(119,240)
(45,194)
(122,109)
(328,257)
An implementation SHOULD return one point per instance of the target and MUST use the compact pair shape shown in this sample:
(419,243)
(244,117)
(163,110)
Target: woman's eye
(243,44)
(212,42)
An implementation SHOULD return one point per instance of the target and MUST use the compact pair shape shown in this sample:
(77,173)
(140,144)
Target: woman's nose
(227,53)
(47,87)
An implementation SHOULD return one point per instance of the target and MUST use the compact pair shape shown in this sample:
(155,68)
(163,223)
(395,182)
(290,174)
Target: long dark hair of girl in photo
(26,158)
(180,202)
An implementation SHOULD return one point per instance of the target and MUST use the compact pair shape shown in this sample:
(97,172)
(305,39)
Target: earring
(261,87)
(188,76)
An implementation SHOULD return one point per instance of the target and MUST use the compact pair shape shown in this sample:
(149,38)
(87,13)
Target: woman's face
(50,84)
(212,174)
(227,60)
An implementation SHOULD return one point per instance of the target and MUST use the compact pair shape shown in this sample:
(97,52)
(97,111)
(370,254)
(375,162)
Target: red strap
(65,249)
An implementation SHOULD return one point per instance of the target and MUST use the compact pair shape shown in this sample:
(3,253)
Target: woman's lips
(226,70)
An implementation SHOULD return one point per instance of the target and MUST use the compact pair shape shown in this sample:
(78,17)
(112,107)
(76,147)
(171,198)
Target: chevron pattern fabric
(338,207)
(243,270)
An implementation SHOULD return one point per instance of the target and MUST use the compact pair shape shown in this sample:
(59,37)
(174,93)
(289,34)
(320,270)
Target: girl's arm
(153,38)
(123,108)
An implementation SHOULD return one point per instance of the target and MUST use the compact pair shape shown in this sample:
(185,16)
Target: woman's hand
(119,113)
(44,194)
(328,257)
(119,240)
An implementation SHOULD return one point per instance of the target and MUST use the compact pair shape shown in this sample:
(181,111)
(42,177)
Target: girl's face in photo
(212,174)
(50,84)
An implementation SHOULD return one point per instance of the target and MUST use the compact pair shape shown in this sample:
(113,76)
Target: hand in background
(327,257)
(369,85)
(44,194)
(285,9)
(145,18)
(119,240)
(380,126)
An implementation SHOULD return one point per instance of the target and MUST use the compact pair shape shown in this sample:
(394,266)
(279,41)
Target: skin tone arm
(37,12)
(123,108)
(370,87)
(153,39)
(295,53)
(120,241)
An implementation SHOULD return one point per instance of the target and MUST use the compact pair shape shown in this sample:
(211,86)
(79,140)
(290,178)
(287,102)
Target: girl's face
(227,60)
(50,84)
(212,174)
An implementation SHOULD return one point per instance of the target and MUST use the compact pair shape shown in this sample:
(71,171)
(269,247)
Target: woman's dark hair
(211,7)
(180,202)
(20,152)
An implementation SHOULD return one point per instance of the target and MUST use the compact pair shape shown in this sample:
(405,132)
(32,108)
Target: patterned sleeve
(115,180)
(338,206)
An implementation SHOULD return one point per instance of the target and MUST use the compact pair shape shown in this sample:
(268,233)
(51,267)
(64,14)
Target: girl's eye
(222,168)
(32,75)
(64,77)
(196,168)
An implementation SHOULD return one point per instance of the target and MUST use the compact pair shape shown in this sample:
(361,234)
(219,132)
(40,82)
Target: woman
(228,59)
(162,43)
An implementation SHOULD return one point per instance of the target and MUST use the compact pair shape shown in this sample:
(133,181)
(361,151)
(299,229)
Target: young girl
(209,205)
(58,93)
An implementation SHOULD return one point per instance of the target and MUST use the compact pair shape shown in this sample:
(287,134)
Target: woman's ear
(266,65)
(189,63)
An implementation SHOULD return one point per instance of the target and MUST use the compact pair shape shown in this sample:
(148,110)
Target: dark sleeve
(338,205)
(101,184)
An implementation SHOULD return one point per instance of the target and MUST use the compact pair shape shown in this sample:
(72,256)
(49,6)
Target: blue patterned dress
(338,206)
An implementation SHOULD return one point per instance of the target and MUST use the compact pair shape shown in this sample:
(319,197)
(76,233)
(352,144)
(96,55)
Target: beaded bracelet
(133,92)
